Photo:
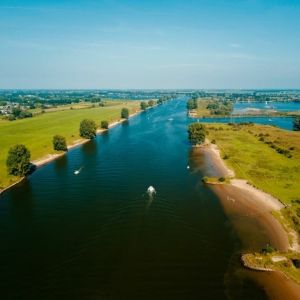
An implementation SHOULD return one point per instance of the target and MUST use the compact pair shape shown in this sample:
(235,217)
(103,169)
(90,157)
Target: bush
(268,249)
(104,124)
(205,179)
(124,113)
(143,105)
(25,114)
(213,141)
(18,160)
(296,123)
(87,129)
(151,102)
(296,263)
(222,179)
(225,156)
(59,143)
(196,133)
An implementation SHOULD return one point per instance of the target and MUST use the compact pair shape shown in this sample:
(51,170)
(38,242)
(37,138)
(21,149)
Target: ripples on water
(97,236)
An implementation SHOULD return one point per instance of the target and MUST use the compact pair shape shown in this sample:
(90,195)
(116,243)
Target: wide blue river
(98,234)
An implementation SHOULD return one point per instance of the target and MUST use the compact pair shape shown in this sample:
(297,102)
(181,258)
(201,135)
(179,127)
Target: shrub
(87,129)
(59,143)
(205,179)
(25,114)
(213,141)
(296,123)
(221,179)
(104,124)
(11,117)
(143,105)
(196,132)
(18,160)
(124,113)
(151,102)
(296,262)
(268,249)
(225,156)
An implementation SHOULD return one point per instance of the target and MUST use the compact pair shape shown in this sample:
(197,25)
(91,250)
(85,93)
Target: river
(98,234)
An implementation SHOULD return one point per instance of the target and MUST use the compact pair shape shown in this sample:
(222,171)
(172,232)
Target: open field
(254,153)
(37,132)
(74,106)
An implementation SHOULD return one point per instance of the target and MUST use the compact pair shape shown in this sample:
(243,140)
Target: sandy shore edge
(267,199)
(51,157)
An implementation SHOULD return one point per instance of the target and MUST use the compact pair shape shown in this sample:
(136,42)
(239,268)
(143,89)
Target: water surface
(98,235)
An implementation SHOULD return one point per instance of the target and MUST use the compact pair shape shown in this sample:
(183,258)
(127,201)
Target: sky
(136,44)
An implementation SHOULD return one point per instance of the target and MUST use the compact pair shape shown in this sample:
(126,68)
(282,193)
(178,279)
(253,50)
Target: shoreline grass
(36,133)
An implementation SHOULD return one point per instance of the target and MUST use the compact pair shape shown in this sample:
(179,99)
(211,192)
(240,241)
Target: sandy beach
(250,212)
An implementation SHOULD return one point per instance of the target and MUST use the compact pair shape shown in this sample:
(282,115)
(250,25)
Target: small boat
(151,190)
(76,172)
(270,120)
(188,167)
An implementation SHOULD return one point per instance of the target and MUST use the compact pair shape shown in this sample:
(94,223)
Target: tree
(87,129)
(144,105)
(124,113)
(16,111)
(104,124)
(18,160)
(296,123)
(59,143)
(151,102)
(192,104)
(196,133)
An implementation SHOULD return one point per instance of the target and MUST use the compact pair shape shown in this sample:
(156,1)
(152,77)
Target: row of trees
(219,107)
(18,159)
(18,113)
(144,105)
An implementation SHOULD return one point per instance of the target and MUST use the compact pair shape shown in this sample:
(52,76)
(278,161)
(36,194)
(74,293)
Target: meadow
(266,156)
(36,133)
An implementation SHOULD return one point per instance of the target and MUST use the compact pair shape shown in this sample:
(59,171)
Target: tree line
(18,158)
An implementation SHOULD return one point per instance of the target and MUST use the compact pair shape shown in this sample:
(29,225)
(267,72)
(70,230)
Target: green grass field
(250,155)
(36,133)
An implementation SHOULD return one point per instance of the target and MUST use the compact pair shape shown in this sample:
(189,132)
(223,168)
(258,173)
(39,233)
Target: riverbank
(251,213)
(51,157)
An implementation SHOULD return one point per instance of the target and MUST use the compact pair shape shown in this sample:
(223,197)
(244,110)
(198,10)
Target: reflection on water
(93,236)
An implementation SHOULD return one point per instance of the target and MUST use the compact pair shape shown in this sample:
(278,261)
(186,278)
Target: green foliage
(220,107)
(144,105)
(151,102)
(124,113)
(296,263)
(222,179)
(16,111)
(196,133)
(296,123)
(192,104)
(205,179)
(104,124)
(18,160)
(59,143)
(25,114)
(268,249)
(87,129)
